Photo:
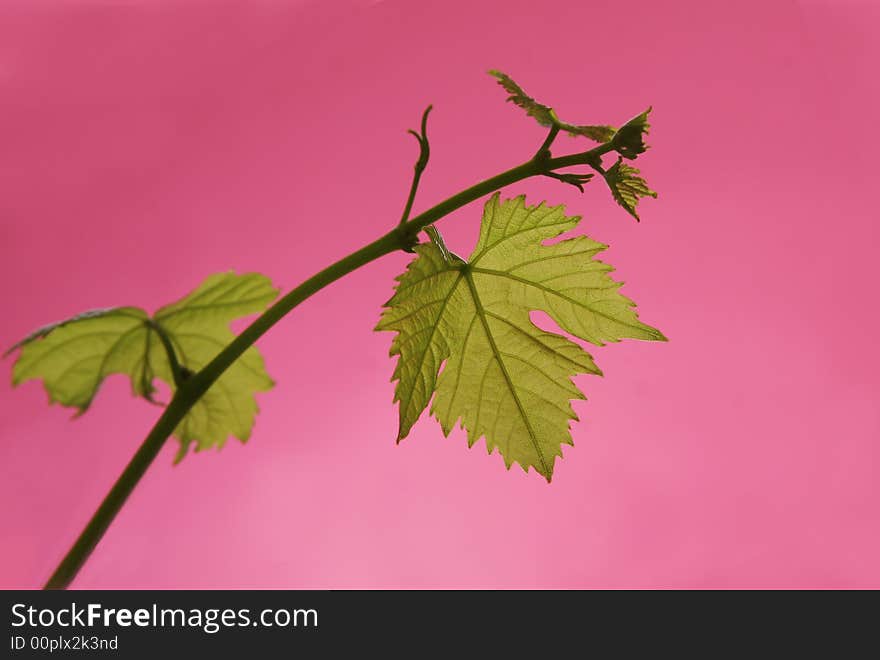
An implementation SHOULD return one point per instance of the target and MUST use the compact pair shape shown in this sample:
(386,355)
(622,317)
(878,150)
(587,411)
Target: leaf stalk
(176,369)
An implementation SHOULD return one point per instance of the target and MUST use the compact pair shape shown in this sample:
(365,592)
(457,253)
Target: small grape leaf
(504,378)
(74,356)
(542,113)
(630,138)
(627,187)
(545,115)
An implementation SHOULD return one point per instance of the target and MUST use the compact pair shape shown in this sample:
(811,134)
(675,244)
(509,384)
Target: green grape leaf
(627,187)
(630,139)
(74,356)
(504,378)
(545,115)
(542,113)
(199,326)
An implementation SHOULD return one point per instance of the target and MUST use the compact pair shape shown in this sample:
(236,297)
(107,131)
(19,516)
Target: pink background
(148,144)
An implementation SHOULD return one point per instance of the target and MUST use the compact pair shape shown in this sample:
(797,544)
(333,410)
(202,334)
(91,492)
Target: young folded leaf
(73,357)
(505,379)
(630,139)
(545,116)
(627,187)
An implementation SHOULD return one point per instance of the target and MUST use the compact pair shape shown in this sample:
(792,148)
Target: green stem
(401,237)
(94,531)
(544,149)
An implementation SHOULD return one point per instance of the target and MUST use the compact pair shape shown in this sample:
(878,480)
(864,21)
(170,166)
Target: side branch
(543,152)
(421,163)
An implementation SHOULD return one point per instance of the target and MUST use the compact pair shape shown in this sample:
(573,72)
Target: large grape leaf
(74,356)
(504,378)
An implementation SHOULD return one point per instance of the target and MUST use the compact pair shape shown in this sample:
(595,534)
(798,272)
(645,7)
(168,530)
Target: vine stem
(402,237)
